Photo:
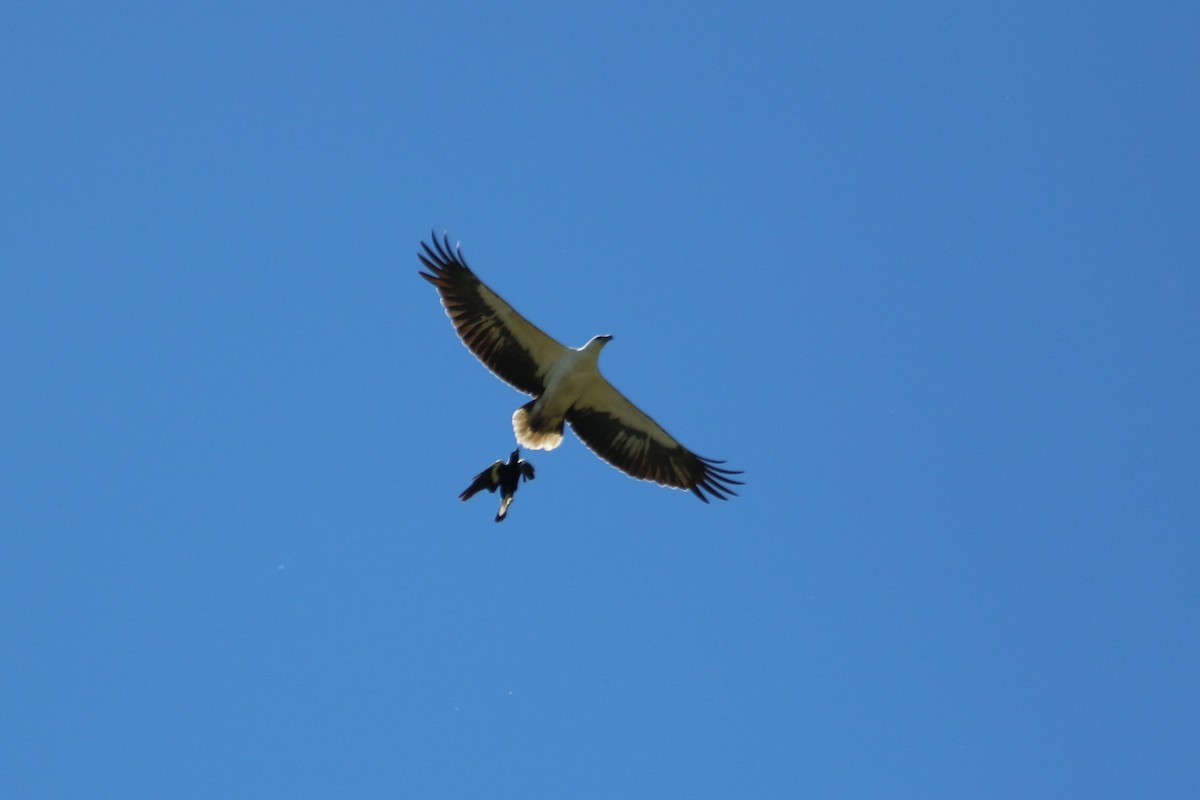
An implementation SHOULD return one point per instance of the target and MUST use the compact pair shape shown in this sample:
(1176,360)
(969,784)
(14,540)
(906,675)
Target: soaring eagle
(502,476)
(565,383)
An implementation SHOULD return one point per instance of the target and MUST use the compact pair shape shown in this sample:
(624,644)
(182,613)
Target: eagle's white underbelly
(539,427)
(566,383)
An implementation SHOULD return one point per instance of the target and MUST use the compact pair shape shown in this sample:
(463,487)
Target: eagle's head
(595,345)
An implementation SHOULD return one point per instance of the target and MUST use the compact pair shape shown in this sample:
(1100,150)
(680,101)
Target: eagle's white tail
(536,434)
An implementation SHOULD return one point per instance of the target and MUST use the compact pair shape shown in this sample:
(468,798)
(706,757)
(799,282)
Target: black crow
(503,476)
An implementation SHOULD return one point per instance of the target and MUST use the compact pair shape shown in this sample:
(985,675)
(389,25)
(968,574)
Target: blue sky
(928,274)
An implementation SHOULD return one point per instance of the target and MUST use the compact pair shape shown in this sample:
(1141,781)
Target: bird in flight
(565,383)
(503,476)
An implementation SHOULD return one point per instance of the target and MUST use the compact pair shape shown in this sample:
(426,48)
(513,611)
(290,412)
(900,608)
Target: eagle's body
(566,385)
(503,476)
(538,424)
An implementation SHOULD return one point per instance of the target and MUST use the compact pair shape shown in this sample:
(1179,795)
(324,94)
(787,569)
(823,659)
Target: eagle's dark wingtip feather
(440,255)
(712,463)
(716,491)
(716,481)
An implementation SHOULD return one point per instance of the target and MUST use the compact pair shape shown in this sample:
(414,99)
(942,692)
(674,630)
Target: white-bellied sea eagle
(565,383)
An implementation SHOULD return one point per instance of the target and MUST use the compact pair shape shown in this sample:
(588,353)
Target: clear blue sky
(929,274)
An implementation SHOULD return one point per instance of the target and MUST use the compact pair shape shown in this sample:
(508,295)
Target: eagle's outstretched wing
(626,437)
(512,347)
